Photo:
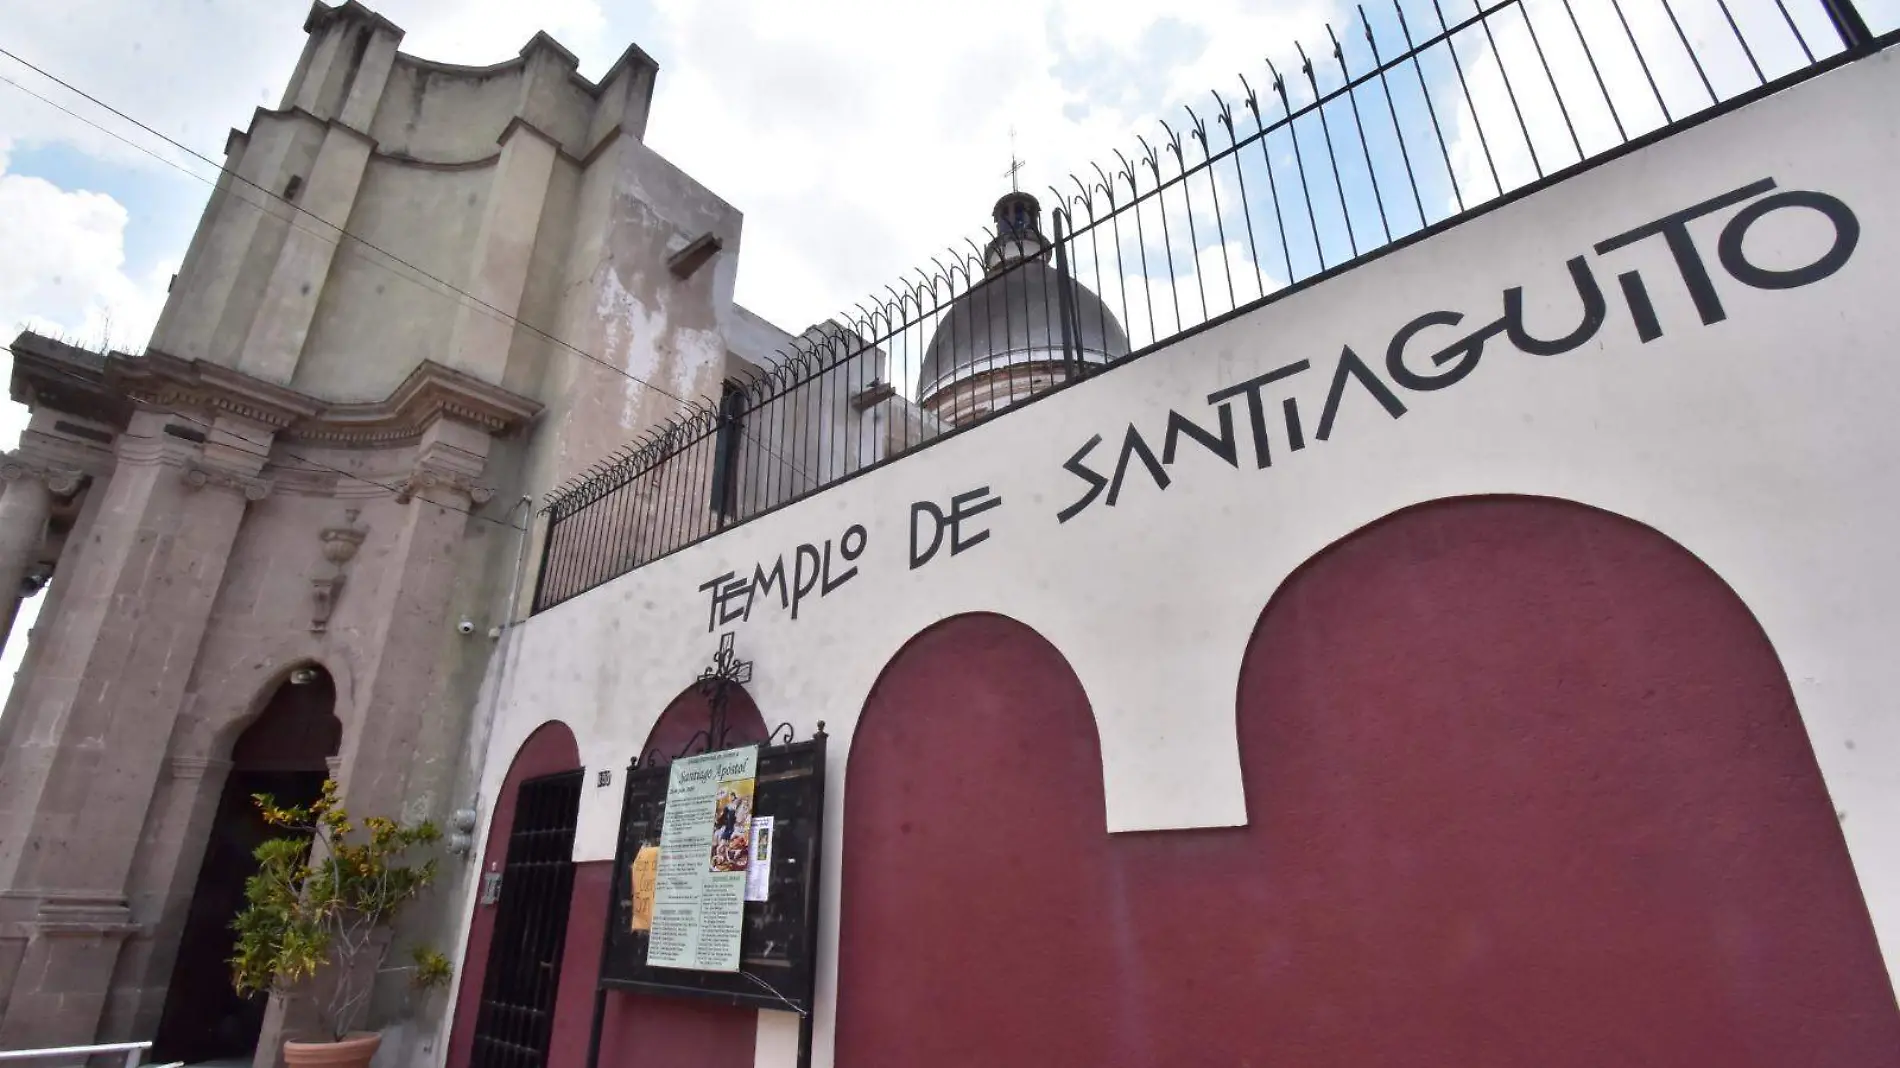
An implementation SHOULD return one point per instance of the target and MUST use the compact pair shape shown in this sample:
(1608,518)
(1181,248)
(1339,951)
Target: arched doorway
(283,753)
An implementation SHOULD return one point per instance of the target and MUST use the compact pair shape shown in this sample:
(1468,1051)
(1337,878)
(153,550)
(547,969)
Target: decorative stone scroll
(61,481)
(434,476)
(198,476)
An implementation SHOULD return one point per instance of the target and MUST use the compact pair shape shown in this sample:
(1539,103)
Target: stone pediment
(165,381)
(431,391)
(105,387)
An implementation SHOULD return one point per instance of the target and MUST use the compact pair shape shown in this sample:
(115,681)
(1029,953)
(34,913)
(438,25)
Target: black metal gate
(516,1014)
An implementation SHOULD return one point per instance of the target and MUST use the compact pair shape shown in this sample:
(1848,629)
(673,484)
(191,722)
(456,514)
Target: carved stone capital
(198,476)
(60,481)
(432,481)
(195,767)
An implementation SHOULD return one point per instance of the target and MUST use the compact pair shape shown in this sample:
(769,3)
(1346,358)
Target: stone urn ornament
(317,916)
(339,548)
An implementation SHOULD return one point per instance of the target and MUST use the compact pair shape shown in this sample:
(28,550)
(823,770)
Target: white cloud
(1219,279)
(861,138)
(62,266)
(1639,86)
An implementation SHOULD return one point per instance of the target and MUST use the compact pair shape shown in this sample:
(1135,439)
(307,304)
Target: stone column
(177,830)
(25,508)
(296,283)
(397,685)
(504,251)
(79,778)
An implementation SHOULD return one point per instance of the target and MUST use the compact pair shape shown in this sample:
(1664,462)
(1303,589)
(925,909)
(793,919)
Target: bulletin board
(778,947)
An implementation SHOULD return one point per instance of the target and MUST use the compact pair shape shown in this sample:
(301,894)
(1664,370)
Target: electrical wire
(271,450)
(453,290)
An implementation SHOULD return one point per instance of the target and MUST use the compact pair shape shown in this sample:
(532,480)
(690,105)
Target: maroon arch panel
(637,1028)
(549,749)
(1526,785)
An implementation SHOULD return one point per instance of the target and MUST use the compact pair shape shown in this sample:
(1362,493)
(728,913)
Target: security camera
(466,626)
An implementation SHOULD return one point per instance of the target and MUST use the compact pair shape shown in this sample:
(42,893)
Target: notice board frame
(778,954)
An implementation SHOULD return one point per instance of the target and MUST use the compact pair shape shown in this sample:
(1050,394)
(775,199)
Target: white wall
(1763,443)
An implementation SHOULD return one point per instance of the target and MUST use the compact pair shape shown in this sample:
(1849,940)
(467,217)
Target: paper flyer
(758,876)
(705,847)
(646,870)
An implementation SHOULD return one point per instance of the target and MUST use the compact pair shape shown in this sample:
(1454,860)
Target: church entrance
(516,1019)
(282,754)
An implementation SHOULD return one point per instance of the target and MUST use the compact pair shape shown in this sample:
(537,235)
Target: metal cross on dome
(1015,165)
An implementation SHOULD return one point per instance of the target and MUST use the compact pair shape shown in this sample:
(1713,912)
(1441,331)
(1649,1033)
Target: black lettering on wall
(1735,261)
(1642,312)
(828,583)
(963,507)
(1594,310)
(726,604)
(1256,408)
(1133,445)
(1351,366)
(1223,446)
(804,577)
(1674,229)
(1295,436)
(1465,351)
(1074,466)
(763,581)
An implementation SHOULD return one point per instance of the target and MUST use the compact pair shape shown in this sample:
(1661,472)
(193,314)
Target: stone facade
(421,296)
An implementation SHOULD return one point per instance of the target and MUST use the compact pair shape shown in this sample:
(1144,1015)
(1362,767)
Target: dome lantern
(1003,341)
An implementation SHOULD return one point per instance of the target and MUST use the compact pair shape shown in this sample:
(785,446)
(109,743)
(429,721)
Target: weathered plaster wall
(377,319)
(657,333)
(445,114)
(1758,439)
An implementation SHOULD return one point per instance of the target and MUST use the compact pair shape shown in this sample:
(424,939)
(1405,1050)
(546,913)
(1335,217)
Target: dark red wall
(1526,785)
(549,749)
(637,1029)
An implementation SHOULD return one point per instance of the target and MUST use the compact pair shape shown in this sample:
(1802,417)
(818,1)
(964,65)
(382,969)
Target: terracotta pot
(353,1052)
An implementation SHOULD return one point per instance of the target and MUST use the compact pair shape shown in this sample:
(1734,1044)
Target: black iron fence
(1420,113)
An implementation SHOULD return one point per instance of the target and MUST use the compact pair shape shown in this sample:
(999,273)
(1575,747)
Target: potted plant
(321,903)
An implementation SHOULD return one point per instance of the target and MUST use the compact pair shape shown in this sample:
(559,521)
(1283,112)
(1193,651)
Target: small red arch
(549,749)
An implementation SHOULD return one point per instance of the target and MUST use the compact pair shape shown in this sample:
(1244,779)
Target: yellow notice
(646,871)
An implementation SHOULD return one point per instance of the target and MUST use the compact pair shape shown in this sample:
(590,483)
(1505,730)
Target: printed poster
(705,849)
(646,871)
(758,876)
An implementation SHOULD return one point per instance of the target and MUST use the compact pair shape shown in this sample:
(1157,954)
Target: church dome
(1010,323)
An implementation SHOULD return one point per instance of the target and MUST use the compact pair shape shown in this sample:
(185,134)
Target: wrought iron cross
(1015,164)
(715,682)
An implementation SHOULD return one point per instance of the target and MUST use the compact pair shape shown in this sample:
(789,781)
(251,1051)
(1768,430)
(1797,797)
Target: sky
(857,137)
